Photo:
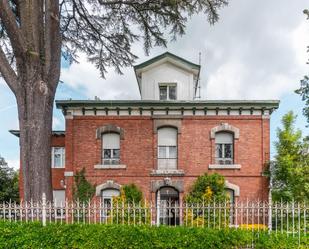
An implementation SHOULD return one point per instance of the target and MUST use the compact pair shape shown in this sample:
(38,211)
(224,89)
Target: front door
(168,208)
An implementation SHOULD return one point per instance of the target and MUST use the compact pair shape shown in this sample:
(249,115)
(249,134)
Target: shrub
(82,189)
(132,193)
(124,208)
(207,188)
(95,236)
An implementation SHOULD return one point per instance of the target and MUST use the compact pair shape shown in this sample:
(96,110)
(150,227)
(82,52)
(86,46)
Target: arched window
(110,148)
(224,147)
(230,194)
(167,148)
(107,201)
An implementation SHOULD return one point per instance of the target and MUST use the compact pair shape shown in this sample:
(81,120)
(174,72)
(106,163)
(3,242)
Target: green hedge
(33,235)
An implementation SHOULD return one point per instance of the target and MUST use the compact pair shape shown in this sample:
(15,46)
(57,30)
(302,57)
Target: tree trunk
(35,110)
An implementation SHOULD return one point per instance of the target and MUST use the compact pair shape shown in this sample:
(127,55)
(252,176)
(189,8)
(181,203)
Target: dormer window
(168,91)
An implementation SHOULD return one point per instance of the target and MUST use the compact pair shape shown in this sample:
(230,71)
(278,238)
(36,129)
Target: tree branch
(7,72)
(9,21)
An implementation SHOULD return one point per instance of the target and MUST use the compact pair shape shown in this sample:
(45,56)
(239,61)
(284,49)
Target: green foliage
(121,211)
(9,190)
(34,235)
(207,188)
(303,91)
(290,168)
(82,190)
(132,193)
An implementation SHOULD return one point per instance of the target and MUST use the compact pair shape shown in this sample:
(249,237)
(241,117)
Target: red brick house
(164,141)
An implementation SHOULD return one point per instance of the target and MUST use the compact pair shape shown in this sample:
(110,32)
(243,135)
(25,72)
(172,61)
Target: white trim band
(224,166)
(103,166)
(68,173)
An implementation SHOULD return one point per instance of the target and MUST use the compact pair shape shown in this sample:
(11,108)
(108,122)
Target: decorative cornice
(159,108)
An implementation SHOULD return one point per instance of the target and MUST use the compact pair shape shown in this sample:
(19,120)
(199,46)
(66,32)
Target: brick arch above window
(109,128)
(162,123)
(224,127)
(167,182)
(233,187)
(107,185)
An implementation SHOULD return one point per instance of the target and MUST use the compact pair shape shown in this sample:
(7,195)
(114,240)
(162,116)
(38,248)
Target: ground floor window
(59,203)
(231,195)
(107,201)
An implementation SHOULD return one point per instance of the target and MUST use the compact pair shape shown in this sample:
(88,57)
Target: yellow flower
(208,194)
(253,226)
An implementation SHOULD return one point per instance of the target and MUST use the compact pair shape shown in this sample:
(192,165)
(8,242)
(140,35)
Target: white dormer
(167,77)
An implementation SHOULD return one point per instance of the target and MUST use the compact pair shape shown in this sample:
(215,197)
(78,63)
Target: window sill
(107,166)
(224,166)
(167,172)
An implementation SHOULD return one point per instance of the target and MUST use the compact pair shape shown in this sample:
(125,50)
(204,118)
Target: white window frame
(168,85)
(59,205)
(62,157)
(225,160)
(168,162)
(112,160)
(104,208)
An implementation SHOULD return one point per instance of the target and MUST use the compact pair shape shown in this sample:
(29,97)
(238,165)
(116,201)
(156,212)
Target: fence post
(269,213)
(44,209)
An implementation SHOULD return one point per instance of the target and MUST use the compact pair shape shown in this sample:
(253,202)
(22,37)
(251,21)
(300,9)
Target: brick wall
(57,174)
(195,151)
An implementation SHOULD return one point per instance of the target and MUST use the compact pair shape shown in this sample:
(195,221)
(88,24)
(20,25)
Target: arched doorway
(168,206)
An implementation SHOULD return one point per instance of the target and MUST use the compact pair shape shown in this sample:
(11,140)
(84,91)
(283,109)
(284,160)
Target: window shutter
(224,138)
(111,141)
(167,136)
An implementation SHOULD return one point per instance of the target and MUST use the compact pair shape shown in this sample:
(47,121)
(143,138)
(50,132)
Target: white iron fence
(290,218)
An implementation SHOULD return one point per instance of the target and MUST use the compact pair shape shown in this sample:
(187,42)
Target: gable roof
(164,55)
(169,57)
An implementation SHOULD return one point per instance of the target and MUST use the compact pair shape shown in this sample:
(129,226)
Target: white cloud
(256,51)
(85,76)
(13,163)
(56,123)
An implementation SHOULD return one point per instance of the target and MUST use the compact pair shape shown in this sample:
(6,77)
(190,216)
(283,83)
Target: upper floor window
(58,157)
(167,148)
(111,148)
(224,147)
(168,91)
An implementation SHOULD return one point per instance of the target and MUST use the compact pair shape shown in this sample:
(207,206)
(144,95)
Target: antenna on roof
(197,87)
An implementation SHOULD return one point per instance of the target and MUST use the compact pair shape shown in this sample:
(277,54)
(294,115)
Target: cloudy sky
(256,51)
